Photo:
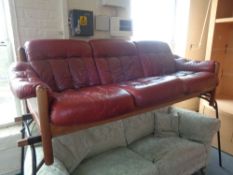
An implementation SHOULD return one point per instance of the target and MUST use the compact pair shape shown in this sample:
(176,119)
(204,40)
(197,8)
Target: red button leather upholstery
(154,90)
(62,64)
(195,66)
(156,58)
(116,60)
(138,74)
(24,80)
(197,81)
(91,104)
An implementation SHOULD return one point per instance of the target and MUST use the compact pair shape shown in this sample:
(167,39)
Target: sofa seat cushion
(153,90)
(119,161)
(90,105)
(150,147)
(197,81)
(168,153)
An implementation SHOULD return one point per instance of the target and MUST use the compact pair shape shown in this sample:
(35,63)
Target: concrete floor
(213,167)
(7,104)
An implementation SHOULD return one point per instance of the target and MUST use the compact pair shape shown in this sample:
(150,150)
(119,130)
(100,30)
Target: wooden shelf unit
(220,43)
(224,20)
(220,48)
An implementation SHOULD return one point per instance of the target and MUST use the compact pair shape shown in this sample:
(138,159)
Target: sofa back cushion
(80,145)
(166,124)
(156,57)
(106,137)
(72,148)
(62,64)
(139,126)
(116,60)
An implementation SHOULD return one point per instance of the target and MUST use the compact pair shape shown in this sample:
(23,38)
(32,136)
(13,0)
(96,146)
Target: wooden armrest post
(46,136)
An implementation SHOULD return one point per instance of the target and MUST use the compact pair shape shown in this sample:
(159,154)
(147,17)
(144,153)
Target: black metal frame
(213,103)
(26,133)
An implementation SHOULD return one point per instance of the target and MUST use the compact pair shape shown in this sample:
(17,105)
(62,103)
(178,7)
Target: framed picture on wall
(81,22)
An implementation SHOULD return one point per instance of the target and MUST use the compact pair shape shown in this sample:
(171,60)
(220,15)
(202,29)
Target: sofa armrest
(23,80)
(183,64)
(197,127)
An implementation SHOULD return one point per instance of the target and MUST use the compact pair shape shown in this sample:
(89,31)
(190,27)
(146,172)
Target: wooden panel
(221,38)
(226,86)
(225,8)
(224,54)
(228,61)
(225,103)
(220,48)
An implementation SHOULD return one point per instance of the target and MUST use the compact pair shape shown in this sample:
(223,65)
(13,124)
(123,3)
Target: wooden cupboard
(220,48)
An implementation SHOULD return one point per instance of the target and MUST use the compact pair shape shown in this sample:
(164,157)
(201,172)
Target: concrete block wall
(39,19)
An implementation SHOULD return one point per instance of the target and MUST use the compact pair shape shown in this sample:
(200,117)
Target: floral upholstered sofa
(168,141)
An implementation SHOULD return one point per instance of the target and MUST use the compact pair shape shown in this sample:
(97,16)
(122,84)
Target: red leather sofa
(88,83)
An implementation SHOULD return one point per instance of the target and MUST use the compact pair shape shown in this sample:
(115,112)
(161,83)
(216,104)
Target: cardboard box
(226,130)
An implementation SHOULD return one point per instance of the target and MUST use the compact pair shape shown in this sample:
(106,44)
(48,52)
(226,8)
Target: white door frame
(12,26)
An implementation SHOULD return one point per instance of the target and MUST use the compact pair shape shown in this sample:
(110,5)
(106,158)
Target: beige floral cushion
(138,126)
(166,124)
